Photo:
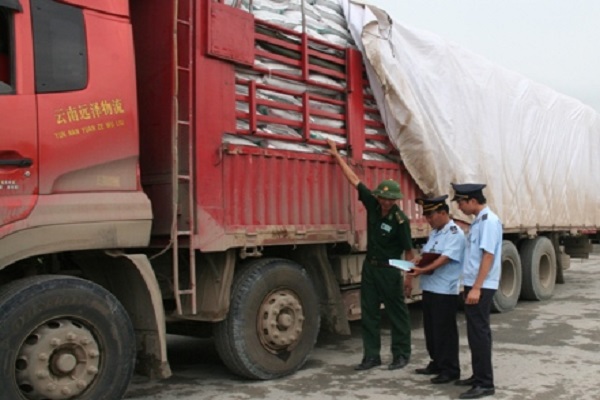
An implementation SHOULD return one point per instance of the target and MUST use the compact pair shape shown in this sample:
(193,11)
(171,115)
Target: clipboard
(426,259)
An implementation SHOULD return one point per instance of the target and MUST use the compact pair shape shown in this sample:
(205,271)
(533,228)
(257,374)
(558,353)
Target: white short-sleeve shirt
(448,241)
(485,235)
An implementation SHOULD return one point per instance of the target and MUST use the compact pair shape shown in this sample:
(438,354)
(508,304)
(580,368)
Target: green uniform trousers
(380,284)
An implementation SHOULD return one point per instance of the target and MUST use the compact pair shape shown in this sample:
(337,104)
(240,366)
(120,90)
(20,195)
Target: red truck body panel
(113,7)
(89,141)
(94,129)
(246,195)
(69,160)
(18,136)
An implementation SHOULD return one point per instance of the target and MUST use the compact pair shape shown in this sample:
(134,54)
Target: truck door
(18,126)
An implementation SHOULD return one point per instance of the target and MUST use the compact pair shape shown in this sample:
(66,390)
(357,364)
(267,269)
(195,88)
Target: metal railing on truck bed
(299,92)
(255,104)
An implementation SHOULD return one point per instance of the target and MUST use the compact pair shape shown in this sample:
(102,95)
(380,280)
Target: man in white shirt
(481,276)
(440,270)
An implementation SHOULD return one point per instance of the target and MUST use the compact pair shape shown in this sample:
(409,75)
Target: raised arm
(350,175)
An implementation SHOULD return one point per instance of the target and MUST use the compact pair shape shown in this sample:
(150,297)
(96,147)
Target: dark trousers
(479,334)
(383,285)
(441,332)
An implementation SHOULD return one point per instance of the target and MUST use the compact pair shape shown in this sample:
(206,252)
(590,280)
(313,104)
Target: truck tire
(539,269)
(63,338)
(273,320)
(508,292)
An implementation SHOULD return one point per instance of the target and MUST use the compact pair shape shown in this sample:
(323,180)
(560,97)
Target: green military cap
(388,189)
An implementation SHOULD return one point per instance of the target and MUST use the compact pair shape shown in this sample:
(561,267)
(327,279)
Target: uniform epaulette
(399,217)
(484,217)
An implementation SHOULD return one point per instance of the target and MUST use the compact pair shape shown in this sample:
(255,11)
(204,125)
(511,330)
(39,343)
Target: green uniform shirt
(387,237)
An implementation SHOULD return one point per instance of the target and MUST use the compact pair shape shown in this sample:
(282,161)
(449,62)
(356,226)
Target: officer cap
(465,191)
(431,204)
(388,189)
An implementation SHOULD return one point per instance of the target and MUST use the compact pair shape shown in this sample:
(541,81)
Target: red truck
(148,184)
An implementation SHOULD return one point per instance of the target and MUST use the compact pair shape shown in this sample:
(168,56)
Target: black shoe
(465,382)
(477,392)
(444,378)
(398,362)
(368,363)
(428,370)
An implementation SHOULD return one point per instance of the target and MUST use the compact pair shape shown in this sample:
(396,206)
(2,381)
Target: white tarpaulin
(456,117)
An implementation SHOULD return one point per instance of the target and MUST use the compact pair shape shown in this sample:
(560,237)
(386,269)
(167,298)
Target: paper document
(401,264)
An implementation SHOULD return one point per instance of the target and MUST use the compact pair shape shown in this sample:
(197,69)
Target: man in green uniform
(388,236)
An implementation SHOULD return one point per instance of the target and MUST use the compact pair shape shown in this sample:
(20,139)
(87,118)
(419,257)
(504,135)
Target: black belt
(378,264)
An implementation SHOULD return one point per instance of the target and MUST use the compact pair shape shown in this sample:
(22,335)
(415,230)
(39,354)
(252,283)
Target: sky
(552,42)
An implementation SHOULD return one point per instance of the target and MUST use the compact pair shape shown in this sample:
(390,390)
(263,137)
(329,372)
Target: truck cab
(69,171)
(69,193)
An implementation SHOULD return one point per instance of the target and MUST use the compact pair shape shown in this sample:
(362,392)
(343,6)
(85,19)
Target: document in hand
(426,259)
(401,264)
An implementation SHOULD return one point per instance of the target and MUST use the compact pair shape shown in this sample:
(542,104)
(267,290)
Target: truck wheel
(63,338)
(507,295)
(539,269)
(273,320)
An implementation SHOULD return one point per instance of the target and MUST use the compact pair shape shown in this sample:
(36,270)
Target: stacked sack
(324,20)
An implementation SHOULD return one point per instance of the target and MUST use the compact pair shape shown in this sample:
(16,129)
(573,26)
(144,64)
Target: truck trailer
(163,168)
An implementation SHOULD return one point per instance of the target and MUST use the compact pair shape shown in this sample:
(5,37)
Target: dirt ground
(542,350)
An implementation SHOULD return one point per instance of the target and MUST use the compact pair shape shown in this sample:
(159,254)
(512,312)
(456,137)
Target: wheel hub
(64,363)
(280,321)
(58,360)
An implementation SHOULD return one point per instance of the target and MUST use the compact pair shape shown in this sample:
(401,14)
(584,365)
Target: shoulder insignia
(399,218)
(453,229)
(484,217)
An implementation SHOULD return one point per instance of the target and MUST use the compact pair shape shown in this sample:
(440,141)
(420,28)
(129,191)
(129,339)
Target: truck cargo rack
(318,91)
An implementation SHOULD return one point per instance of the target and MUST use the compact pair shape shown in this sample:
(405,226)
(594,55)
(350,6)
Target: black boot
(368,363)
(398,362)
(430,369)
